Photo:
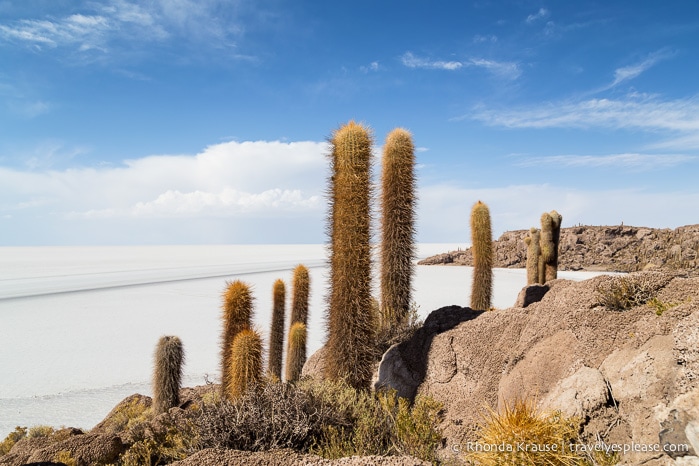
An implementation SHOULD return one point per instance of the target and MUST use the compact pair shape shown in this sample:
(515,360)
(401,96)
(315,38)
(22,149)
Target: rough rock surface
(607,248)
(623,372)
(216,457)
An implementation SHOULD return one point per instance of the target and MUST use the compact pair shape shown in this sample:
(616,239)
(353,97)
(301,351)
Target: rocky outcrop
(606,248)
(632,377)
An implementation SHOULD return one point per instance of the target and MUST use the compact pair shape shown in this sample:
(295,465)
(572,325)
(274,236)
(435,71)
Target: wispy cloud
(508,70)
(543,13)
(680,115)
(411,61)
(632,71)
(373,66)
(633,161)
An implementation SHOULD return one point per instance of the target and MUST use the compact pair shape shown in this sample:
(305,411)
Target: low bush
(620,293)
(13,437)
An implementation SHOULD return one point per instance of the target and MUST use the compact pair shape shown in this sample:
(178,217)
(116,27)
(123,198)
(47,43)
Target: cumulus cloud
(232,178)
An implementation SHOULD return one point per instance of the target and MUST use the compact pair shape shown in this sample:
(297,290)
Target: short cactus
(296,353)
(167,376)
(300,294)
(482,249)
(533,255)
(276,334)
(245,363)
(350,344)
(397,226)
(237,316)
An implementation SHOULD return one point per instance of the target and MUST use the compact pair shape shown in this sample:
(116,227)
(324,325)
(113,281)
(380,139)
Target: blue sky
(206,121)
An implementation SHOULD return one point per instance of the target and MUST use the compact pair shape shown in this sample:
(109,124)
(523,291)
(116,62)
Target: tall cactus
(276,334)
(296,353)
(350,331)
(245,363)
(550,237)
(533,254)
(482,248)
(237,316)
(167,376)
(300,293)
(397,226)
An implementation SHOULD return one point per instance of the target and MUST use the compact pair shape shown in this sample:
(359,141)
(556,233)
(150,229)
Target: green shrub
(620,293)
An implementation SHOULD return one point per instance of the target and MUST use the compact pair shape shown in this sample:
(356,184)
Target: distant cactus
(296,353)
(276,334)
(350,331)
(245,363)
(300,294)
(533,255)
(237,316)
(482,248)
(397,226)
(167,376)
(550,236)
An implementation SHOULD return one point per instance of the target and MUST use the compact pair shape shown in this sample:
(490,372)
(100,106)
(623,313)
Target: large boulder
(622,372)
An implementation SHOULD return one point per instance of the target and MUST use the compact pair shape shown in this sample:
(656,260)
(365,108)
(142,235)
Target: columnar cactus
(397,226)
(350,331)
(533,255)
(237,316)
(550,236)
(167,376)
(296,353)
(300,294)
(276,334)
(246,363)
(482,249)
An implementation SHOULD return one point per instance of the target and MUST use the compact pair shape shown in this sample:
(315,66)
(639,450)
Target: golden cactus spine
(167,376)
(350,331)
(550,237)
(482,249)
(397,226)
(296,353)
(237,316)
(533,255)
(276,334)
(246,363)
(300,294)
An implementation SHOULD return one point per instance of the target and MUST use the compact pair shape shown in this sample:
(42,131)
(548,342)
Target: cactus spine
(482,249)
(350,331)
(296,354)
(300,293)
(397,226)
(550,236)
(167,376)
(533,254)
(237,316)
(245,361)
(276,334)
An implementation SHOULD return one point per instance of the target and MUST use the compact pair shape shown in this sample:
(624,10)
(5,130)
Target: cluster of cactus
(482,249)
(542,249)
(296,351)
(398,194)
(241,347)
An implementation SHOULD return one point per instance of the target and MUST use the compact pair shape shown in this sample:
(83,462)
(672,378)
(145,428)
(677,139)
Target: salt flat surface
(78,325)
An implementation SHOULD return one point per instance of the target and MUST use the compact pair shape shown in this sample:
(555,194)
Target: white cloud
(479,39)
(543,13)
(629,161)
(507,70)
(411,61)
(652,114)
(632,71)
(225,179)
